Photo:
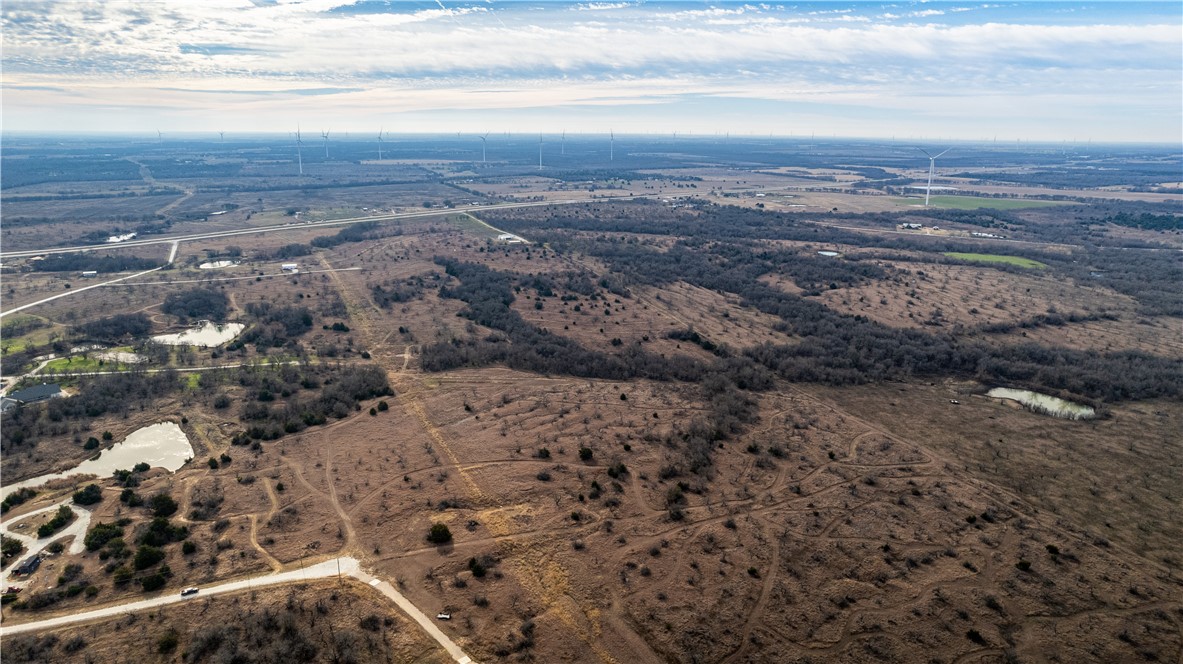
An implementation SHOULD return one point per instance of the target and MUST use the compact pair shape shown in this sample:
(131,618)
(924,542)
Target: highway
(175,241)
(346,566)
(289,227)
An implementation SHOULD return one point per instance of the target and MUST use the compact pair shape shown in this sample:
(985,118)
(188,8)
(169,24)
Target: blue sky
(1105,71)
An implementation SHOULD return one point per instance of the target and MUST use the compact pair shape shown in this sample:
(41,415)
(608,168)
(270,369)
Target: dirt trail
(150,180)
(347,523)
(274,564)
(362,310)
(757,614)
(416,407)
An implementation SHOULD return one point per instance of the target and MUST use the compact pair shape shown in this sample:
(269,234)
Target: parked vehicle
(188,591)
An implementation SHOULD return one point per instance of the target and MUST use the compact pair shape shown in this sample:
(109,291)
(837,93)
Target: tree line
(834,348)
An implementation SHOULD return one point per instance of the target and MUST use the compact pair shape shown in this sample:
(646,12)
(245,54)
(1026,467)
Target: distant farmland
(975,202)
(996,258)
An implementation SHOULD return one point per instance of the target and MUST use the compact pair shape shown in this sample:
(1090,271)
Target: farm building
(34,394)
(28,567)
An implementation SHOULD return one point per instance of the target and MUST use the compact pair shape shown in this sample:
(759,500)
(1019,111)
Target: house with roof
(34,394)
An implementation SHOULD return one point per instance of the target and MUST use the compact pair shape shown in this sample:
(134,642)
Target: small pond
(205,334)
(213,265)
(828,254)
(161,445)
(1042,403)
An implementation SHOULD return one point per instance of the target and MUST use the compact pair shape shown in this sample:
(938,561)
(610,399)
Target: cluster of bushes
(489,293)
(61,519)
(97,395)
(341,392)
(88,495)
(10,548)
(15,498)
(396,292)
(198,303)
(275,326)
(840,349)
(87,262)
(150,539)
(294,250)
(276,635)
(354,233)
(116,328)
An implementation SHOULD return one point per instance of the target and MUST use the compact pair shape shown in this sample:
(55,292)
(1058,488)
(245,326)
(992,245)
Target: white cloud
(123,53)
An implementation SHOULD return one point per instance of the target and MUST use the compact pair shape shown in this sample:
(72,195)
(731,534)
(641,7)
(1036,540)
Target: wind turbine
(299,155)
(540,152)
(932,164)
(484,143)
(563,143)
(325,136)
(611,146)
(159,137)
(380,143)
(222,136)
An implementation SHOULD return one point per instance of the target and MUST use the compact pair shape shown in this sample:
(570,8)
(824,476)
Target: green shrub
(88,495)
(439,534)
(147,556)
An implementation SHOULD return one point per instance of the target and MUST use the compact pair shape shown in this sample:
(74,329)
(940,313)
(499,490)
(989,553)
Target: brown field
(865,523)
(969,296)
(322,622)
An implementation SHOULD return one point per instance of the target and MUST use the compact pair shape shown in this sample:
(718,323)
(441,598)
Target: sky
(1053,70)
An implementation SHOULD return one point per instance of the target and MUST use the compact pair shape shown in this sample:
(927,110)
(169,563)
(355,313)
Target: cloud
(559,54)
(601,6)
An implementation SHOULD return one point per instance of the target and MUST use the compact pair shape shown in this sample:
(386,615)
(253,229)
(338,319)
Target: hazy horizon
(1108,72)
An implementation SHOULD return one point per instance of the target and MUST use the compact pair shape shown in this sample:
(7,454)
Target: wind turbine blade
(926,153)
(938,156)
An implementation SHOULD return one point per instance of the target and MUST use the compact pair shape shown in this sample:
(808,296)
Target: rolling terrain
(653,430)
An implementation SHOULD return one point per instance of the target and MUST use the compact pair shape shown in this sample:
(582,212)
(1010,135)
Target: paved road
(32,372)
(290,227)
(176,240)
(35,545)
(74,291)
(347,566)
(206,280)
(218,367)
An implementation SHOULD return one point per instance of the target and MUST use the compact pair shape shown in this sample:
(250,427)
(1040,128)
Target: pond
(828,254)
(1042,403)
(206,333)
(213,265)
(161,445)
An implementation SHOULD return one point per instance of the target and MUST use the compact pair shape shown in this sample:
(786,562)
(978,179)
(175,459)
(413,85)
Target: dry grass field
(856,524)
(310,622)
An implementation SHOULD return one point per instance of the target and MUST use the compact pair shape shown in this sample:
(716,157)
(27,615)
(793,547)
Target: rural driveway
(75,291)
(346,566)
(34,545)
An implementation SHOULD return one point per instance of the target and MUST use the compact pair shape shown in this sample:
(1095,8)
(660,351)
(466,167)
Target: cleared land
(976,203)
(996,258)
(872,521)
